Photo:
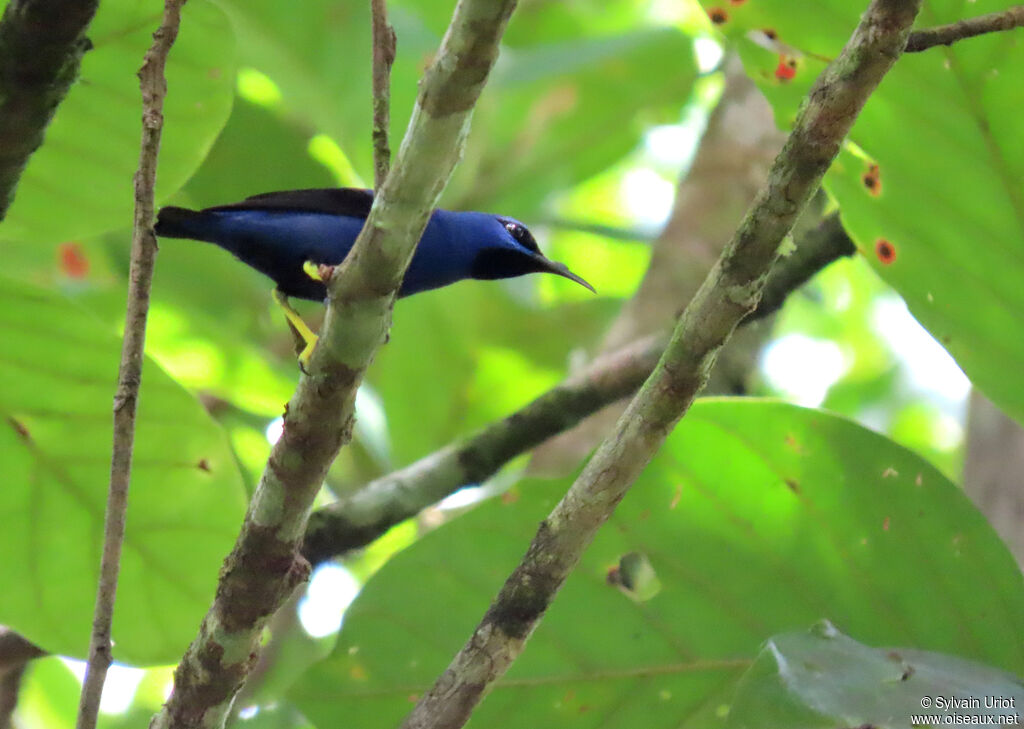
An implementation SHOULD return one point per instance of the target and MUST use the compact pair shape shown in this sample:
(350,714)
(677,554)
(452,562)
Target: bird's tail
(172,222)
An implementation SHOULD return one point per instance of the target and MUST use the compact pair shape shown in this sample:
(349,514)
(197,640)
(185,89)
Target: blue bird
(288,235)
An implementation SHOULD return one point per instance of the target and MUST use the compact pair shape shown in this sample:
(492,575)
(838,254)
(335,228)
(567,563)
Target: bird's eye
(520,234)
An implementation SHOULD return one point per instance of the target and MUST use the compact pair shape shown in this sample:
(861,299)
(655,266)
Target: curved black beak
(560,269)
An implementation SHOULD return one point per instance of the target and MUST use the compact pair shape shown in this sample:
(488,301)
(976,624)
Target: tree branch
(365,515)
(730,166)
(730,292)
(383,56)
(391,499)
(947,35)
(41,47)
(264,567)
(818,247)
(140,275)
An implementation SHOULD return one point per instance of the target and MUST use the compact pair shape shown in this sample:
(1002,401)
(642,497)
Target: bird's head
(512,251)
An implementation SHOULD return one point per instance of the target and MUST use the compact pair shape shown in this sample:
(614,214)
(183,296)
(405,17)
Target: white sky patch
(709,54)
(667,12)
(647,196)
(274,430)
(119,688)
(803,368)
(463,497)
(673,144)
(930,367)
(331,590)
(248,712)
(949,433)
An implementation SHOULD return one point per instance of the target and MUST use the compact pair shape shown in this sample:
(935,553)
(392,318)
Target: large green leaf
(562,103)
(58,369)
(821,679)
(555,114)
(756,517)
(943,129)
(79,183)
(258,151)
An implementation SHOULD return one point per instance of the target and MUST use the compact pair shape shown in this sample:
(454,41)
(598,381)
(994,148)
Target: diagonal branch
(41,47)
(369,512)
(264,567)
(383,56)
(153,85)
(728,294)
(947,35)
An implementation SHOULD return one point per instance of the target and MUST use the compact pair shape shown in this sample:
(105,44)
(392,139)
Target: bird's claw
(306,355)
(299,327)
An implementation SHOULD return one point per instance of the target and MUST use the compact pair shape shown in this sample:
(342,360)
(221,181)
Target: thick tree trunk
(994,470)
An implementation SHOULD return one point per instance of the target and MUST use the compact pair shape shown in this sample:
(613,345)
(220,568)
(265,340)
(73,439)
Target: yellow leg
(299,326)
(312,270)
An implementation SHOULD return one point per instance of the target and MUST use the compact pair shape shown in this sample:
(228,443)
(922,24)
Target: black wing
(349,201)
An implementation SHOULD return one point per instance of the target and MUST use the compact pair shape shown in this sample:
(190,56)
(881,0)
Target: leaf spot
(786,70)
(872,180)
(885,251)
(72,260)
(20,429)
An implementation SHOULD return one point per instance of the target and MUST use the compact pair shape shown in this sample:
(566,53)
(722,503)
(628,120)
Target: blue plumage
(276,233)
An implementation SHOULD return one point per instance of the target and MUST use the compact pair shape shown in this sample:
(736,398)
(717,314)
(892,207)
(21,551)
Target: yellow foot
(312,270)
(305,355)
(299,327)
(318,271)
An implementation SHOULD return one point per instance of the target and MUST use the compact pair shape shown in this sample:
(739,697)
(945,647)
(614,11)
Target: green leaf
(949,198)
(821,679)
(757,517)
(555,114)
(320,60)
(257,151)
(79,183)
(562,103)
(58,370)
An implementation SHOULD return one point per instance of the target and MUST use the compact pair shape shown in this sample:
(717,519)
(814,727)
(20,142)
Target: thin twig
(369,512)
(41,47)
(384,44)
(143,256)
(946,35)
(265,567)
(729,293)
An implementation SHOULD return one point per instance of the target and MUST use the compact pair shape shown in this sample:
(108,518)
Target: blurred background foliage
(589,123)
